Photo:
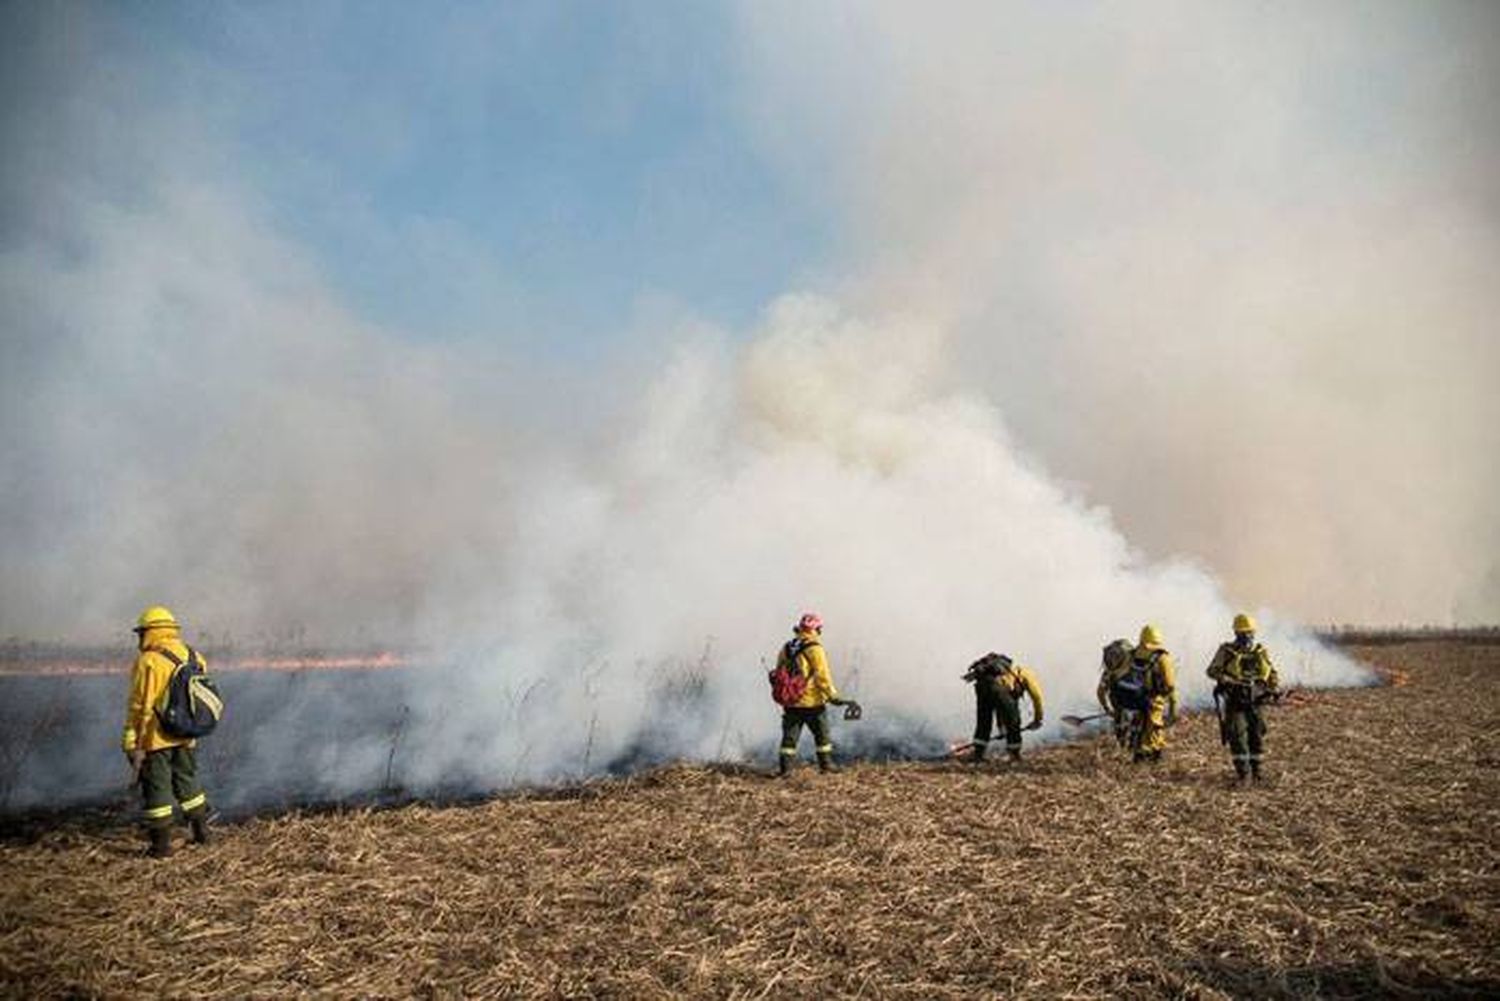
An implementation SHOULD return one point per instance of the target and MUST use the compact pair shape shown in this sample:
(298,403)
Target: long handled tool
(1080,720)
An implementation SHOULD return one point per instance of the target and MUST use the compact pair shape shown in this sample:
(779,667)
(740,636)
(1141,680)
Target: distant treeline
(1348,635)
(25,657)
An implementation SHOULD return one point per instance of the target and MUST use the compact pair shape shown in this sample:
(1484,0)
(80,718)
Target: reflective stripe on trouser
(170,776)
(1154,725)
(993,701)
(794,719)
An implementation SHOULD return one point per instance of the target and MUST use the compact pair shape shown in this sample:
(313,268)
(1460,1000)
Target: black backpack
(191,705)
(1134,688)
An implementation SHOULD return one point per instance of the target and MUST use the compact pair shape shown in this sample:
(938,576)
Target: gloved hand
(1035,724)
(852,709)
(137,758)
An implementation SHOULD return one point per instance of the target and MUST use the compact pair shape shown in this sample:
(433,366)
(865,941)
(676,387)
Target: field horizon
(1365,866)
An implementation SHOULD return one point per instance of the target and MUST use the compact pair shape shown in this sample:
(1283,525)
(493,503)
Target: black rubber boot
(1255,771)
(977,758)
(1240,771)
(198,823)
(1014,754)
(825,762)
(784,766)
(161,842)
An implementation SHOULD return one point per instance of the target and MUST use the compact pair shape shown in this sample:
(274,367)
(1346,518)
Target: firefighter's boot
(198,823)
(784,766)
(161,842)
(1254,770)
(825,762)
(1014,754)
(977,755)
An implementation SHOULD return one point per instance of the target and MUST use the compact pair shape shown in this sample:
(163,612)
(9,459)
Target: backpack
(788,682)
(988,668)
(1115,657)
(191,705)
(1133,689)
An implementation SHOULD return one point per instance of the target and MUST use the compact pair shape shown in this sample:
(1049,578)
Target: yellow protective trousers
(1154,725)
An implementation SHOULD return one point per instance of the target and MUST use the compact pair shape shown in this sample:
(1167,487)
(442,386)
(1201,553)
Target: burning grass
(1367,866)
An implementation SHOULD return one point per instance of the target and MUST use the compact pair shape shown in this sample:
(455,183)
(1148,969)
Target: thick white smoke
(1232,268)
(818,466)
(1068,304)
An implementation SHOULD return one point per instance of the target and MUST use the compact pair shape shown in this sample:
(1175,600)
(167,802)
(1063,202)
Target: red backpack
(788,682)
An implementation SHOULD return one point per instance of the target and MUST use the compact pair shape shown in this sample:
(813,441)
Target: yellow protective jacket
(1164,684)
(813,662)
(1017,679)
(148,686)
(1232,665)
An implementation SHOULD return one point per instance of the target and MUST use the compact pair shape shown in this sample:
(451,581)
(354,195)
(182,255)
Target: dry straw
(1366,866)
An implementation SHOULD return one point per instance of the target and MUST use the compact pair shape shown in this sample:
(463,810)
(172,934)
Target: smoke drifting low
(194,416)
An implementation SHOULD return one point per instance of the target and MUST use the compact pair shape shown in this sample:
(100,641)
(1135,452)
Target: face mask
(1244,640)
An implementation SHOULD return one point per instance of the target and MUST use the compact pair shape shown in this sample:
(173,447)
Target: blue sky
(467,169)
(449,230)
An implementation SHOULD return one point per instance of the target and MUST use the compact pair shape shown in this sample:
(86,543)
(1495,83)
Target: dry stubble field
(1367,866)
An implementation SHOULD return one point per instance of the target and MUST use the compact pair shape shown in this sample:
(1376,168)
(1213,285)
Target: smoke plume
(1133,319)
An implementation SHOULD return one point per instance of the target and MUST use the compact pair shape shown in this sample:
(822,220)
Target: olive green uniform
(1243,675)
(167,776)
(793,719)
(998,687)
(1115,663)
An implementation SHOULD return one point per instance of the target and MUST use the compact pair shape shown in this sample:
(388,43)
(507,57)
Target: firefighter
(1243,678)
(1151,662)
(999,683)
(165,767)
(1113,666)
(804,654)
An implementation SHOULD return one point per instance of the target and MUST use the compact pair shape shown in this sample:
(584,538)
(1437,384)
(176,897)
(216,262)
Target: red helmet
(810,621)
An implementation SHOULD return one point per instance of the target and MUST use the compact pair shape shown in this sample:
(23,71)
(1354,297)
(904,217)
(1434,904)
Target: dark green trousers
(993,701)
(1246,731)
(792,722)
(170,776)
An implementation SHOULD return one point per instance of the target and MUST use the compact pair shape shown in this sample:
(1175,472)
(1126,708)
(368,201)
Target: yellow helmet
(156,617)
(1244,623)
(1150,636)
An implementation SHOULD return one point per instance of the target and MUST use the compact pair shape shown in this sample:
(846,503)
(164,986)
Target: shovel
(1080,720)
